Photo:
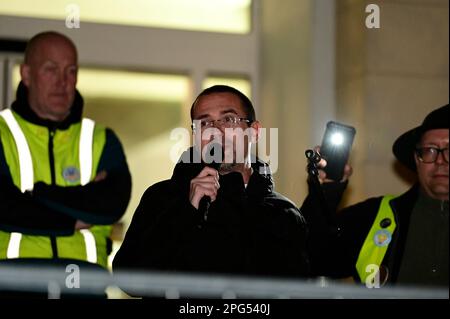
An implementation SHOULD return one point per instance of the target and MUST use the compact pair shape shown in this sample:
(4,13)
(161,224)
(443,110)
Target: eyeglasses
(430,154)
(226,122)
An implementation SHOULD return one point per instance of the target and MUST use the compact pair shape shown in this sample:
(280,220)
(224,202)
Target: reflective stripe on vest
(27,175)
(377,241)
(91,248)
(14,246)
(86,142)
(25,160)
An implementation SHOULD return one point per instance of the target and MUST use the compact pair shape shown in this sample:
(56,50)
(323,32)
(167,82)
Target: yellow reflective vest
(77,151)
(377,241)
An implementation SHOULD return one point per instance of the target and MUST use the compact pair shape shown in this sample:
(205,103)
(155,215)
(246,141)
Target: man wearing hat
(397,239)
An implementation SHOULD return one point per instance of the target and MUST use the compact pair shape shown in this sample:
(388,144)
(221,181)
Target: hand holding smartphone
(335,149)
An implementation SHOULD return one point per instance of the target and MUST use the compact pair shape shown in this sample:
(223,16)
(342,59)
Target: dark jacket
(336,241)
(249,231)
(53,210)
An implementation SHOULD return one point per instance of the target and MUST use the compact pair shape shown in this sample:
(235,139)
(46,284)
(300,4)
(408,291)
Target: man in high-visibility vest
(64,179)
(399,240)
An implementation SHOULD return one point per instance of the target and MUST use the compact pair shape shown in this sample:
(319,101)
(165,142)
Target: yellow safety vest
(377,241)
(77,154)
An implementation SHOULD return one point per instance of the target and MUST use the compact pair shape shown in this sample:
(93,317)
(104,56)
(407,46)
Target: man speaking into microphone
(218,214)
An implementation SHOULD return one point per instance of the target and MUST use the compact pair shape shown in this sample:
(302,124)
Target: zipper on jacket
(51,156)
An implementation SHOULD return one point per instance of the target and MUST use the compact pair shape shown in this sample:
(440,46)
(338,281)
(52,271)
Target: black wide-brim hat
(405,145)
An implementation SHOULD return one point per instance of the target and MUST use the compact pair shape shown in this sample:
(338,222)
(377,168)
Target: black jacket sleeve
(325,246)
(335,241)
(22,213)
(155,231)
(103,202)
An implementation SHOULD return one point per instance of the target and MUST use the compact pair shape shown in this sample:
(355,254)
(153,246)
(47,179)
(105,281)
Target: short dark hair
(33,43)
(245,101)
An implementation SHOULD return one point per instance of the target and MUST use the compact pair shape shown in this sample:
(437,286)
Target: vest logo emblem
(71,174)
(382,238)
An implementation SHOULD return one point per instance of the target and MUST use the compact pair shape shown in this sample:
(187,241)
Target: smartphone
(335,149)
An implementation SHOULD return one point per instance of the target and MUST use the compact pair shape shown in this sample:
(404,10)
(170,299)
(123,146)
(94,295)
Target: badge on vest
(71,174)
(382,238)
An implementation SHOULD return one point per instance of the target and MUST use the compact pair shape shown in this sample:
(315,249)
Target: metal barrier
(55,282)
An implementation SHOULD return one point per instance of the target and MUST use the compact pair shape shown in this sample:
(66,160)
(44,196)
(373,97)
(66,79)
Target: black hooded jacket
(53,210)
(249,231)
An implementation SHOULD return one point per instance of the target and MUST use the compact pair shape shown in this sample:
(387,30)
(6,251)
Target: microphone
(205,201)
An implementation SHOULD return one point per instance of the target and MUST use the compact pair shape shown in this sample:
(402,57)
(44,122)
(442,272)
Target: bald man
(64,179)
